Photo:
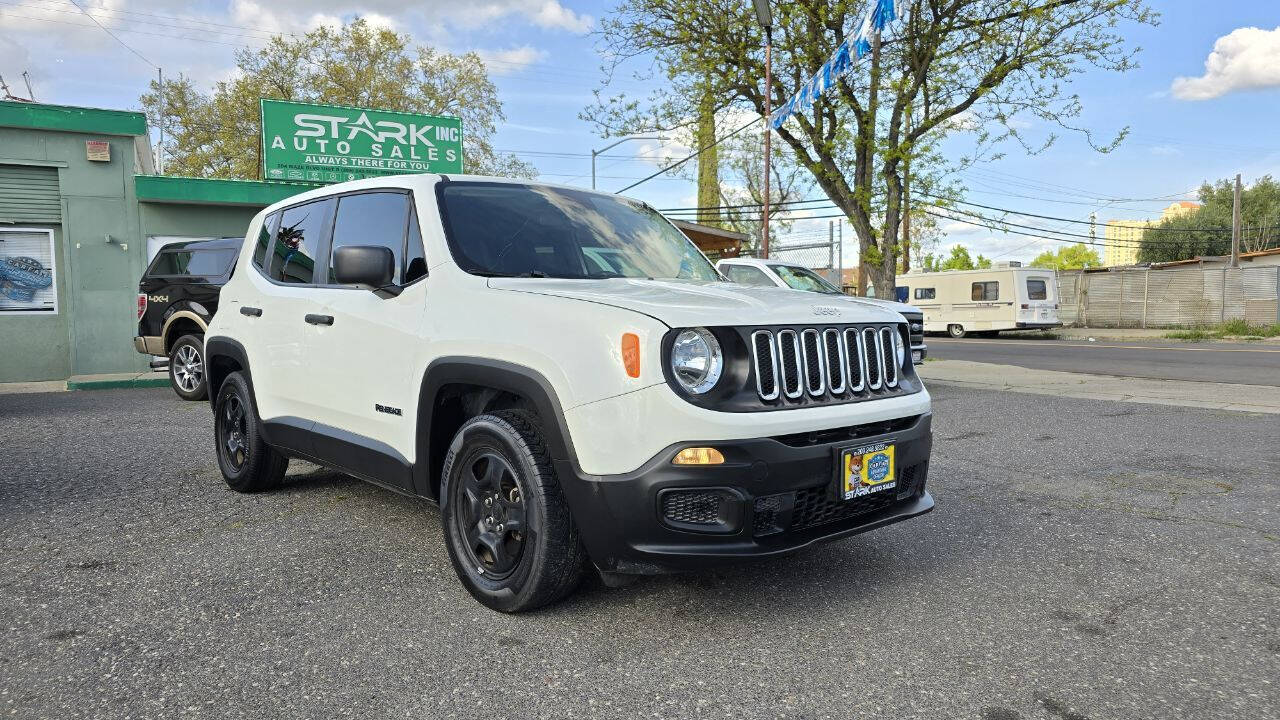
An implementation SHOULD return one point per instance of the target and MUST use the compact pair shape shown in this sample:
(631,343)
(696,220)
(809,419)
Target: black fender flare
(223,347)
(499,375)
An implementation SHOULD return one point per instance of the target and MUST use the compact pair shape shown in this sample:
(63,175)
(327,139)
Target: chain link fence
(1174,297)
(819,251)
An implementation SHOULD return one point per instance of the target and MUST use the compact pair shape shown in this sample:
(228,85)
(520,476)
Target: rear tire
(956,331)
(186,368)
(247,462)
(510,534)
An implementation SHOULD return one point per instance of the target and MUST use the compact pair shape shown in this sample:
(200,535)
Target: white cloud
(511,60)
(1244,59)
(1165,150)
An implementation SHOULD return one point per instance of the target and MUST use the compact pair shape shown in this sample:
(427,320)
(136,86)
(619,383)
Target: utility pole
(764,14)
(1235,226)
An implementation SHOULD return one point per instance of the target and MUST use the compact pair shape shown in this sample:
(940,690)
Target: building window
(926,293)
(985,291)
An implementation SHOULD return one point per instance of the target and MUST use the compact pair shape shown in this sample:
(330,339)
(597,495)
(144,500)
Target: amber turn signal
(699,456)
(631,354)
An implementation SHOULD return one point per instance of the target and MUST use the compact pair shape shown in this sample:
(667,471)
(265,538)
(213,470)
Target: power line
(695,154)
(113,35)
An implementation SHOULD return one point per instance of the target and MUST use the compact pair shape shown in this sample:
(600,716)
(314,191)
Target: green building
(81,215)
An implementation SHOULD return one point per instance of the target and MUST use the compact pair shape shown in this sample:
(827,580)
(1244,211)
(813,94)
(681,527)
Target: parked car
(177,297)
(566,375)
(778,273)
(959,302)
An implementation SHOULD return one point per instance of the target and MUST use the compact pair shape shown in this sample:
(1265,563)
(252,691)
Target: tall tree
(1207,230)
(950,64)
(217,134)
(1068,257)
(958,259)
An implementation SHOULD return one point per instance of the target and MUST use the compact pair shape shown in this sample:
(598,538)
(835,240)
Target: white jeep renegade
(566,375)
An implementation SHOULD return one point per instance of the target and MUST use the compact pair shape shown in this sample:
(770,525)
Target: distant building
(1123,237)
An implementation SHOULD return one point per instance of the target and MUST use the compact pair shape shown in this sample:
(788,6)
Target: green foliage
(943,68)
(217,134)
(1236,327)
(959,259)
(1207,231)
(1068,257)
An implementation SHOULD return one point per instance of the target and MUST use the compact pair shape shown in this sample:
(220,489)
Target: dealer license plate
(867,470)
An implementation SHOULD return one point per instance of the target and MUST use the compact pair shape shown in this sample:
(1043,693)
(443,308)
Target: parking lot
(1087,559)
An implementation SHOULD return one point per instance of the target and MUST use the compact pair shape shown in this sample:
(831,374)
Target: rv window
(985,291)
(1037,290)
(926,293)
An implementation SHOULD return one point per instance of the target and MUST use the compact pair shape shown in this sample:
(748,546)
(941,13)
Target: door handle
(319,319)
(251,311)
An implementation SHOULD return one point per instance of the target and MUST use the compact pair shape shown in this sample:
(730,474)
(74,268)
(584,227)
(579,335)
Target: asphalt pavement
(1244,363)
(1088,560)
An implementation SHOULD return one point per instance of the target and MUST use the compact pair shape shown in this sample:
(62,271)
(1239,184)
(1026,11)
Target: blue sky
(544,61)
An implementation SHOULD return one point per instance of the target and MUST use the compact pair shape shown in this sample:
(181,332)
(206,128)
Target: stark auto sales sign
(332,143)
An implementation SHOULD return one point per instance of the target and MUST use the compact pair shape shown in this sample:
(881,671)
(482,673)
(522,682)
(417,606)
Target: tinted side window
(297,240)
(376,218)
(264,240)
(747,275)
(985,291)
(199,263)
(415,260)
(926,293)
(1037,290)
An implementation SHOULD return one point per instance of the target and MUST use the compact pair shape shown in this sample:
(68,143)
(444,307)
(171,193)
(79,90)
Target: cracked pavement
(1088,559)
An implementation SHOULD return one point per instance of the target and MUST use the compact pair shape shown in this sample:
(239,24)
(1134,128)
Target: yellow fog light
(699,456)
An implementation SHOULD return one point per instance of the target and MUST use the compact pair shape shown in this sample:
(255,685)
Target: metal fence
(1182,297)
(819,251)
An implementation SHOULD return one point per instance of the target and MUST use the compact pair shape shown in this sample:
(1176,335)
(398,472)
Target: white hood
(688,303)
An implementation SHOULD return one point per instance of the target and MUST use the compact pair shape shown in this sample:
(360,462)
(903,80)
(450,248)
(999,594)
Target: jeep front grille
(825,363)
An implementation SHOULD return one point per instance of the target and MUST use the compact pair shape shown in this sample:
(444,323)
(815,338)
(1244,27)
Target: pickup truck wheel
(186,368)
(247,462)
(956,331)
(509,531)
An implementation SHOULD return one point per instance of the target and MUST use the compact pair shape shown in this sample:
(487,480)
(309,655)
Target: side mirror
(372,265)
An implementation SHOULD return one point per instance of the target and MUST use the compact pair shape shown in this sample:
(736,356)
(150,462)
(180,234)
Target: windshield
(802,278)
(503,229)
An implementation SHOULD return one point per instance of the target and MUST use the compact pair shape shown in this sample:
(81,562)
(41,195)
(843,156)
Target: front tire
(247,462)
(956,331)
(510,534)
(186,368)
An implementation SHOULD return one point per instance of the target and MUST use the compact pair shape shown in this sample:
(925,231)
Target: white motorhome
(959,302)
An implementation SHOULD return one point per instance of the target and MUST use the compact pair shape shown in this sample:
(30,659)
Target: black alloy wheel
(509,531)
(232,426)
(247,462)
(491,515)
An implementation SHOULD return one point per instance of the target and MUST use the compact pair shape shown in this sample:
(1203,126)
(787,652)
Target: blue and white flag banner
(841,61)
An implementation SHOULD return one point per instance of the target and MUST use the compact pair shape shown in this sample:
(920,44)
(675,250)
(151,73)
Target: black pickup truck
(177,298)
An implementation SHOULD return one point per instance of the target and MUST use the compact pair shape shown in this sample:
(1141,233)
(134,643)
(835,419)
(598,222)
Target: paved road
(1209,362)
(1088,560)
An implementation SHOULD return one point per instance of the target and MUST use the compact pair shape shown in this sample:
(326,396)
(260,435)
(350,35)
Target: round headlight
(900,350)
(696,360)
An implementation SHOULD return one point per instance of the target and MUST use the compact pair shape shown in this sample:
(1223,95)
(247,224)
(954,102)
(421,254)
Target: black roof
(222,243)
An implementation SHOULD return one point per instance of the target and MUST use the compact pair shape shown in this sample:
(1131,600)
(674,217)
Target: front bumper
(777,497)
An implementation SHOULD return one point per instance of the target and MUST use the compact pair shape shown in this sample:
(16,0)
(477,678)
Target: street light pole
(765,16)
(594,153)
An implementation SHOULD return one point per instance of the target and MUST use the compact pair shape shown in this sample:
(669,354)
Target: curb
(115,383)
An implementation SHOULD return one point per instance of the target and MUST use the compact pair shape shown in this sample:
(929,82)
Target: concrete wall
(95,307)
(97,279)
